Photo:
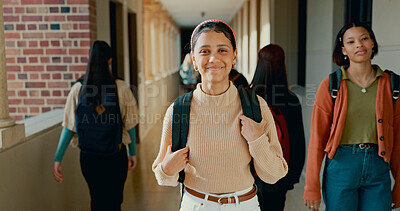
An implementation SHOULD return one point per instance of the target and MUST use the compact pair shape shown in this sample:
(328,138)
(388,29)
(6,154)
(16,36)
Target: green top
(360,124)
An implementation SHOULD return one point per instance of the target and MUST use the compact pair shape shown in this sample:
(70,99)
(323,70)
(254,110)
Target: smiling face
(214,56)
(357,45)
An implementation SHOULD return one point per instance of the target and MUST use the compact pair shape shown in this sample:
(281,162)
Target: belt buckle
(363,146)
(230,200)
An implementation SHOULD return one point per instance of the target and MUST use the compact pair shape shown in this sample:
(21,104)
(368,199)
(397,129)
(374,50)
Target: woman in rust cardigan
(359,133)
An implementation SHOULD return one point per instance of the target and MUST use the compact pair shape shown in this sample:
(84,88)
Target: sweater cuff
(164,179)
(260,140)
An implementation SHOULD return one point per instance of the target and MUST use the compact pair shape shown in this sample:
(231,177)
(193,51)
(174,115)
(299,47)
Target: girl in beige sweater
(221,140)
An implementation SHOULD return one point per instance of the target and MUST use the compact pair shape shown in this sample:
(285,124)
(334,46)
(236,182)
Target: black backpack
(99,127)
(336,77)
(181,117)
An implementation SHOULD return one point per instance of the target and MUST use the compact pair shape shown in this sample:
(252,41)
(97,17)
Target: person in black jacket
(270,82)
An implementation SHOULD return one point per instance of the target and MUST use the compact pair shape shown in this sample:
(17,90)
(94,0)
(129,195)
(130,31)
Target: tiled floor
(142,193)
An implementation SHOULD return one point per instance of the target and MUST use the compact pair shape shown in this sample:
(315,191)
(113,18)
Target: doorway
(116,35)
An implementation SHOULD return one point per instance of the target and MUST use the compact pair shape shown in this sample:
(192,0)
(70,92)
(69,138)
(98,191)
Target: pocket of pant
(381,161)
(187,203)
(251,204)
(331,162)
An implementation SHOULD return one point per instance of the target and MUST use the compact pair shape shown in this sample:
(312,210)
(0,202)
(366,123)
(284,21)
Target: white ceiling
(187,13)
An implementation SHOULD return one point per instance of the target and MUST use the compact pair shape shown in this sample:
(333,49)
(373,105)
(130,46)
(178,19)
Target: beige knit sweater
(219,157)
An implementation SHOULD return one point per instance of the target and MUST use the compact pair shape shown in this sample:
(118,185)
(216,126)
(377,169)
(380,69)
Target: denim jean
(357,180)
(193,203)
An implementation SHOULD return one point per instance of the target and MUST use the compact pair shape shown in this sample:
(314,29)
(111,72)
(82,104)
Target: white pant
(193,203)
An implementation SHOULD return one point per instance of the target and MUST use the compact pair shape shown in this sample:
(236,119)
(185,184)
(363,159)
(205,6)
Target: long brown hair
(98,79)
(270,77)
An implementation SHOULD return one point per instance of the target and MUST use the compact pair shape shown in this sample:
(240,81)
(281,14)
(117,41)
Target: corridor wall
(26,176)
(161,60)
(261,22)
(385,18)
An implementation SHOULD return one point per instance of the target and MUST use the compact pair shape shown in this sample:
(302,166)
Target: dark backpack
(181,117)
(99,132)
(336,77)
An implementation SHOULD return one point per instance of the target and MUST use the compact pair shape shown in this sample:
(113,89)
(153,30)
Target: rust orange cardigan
(325,139)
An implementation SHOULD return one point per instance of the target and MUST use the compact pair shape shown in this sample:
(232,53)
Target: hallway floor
(142,193)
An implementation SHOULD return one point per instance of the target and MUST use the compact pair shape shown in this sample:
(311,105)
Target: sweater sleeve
(161,177)
(130,115)
(70,108)
(320,128)
(266,150)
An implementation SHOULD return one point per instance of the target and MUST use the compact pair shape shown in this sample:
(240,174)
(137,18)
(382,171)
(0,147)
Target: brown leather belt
(224,200)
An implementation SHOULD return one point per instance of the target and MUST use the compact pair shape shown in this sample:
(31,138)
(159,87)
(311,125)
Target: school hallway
(44,50)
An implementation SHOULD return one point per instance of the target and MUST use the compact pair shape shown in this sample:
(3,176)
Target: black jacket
(291,110)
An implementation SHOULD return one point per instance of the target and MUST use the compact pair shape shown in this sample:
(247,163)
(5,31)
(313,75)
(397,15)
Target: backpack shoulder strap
(234,78)
(334,84)
(250,104)
(395,84)
(251,109)
(180,125)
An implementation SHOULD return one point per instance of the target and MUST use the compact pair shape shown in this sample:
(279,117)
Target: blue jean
(357,179)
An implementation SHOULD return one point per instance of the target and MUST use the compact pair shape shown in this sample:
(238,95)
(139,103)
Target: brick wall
(47,46)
